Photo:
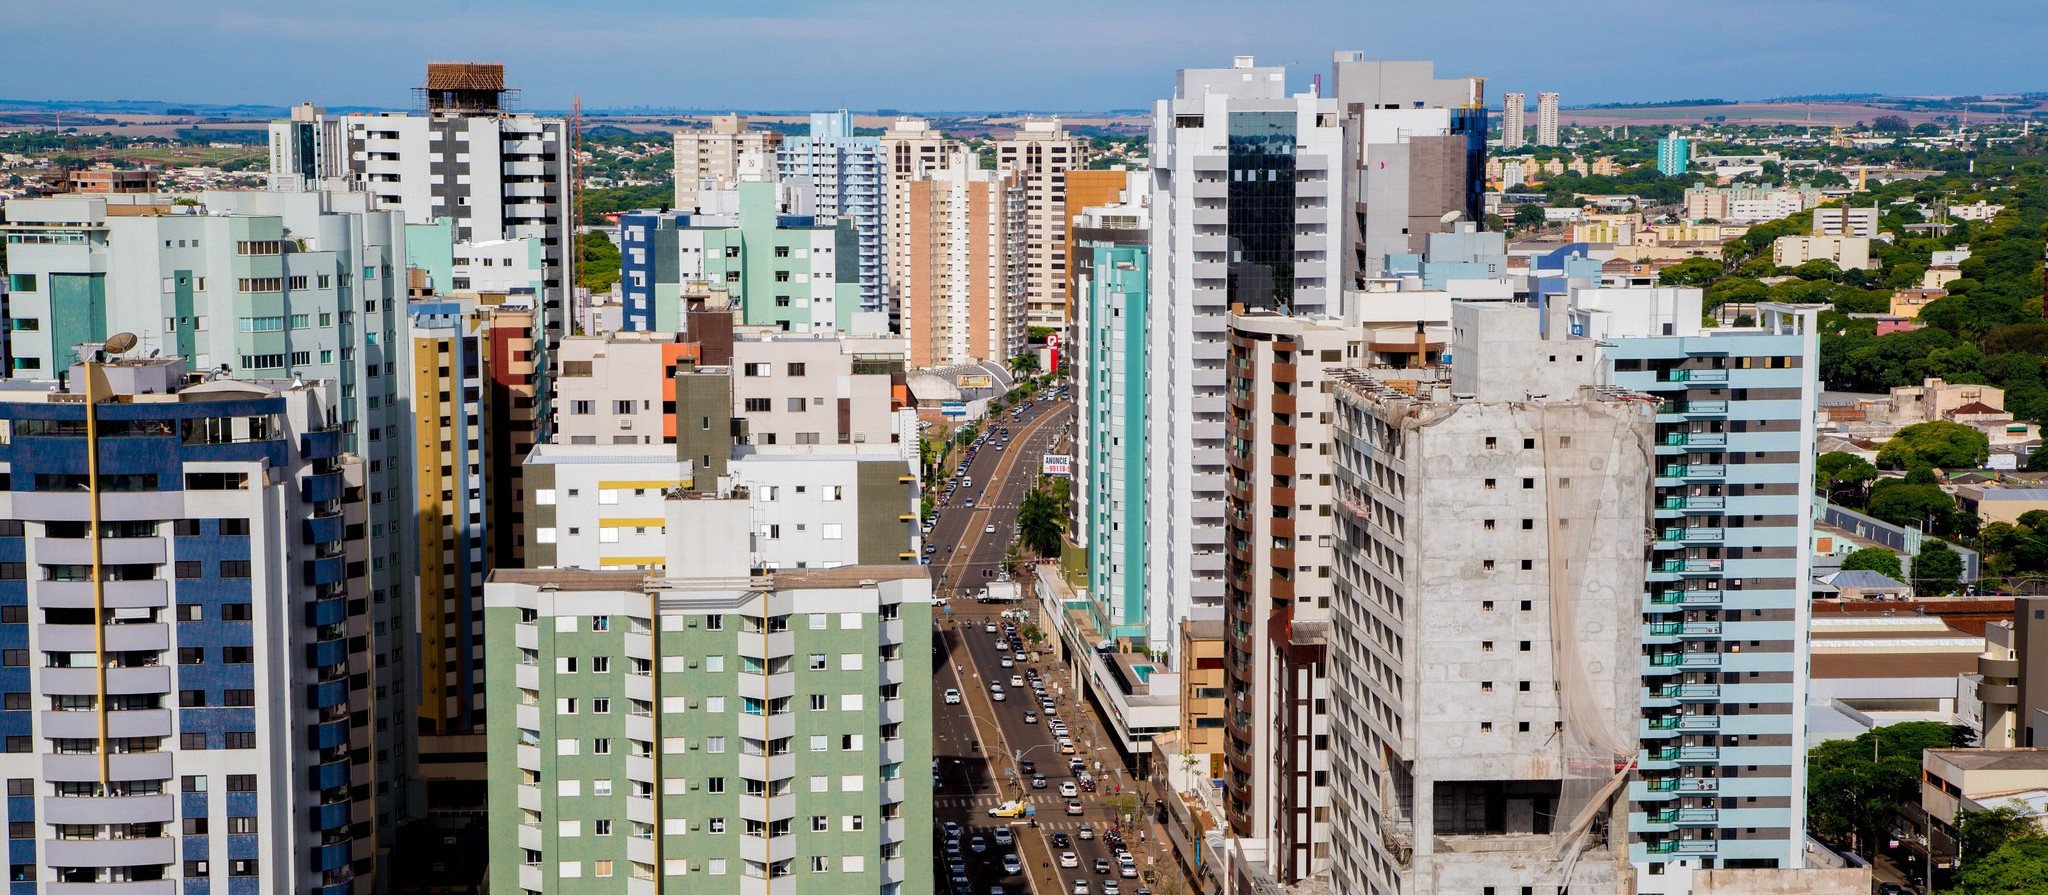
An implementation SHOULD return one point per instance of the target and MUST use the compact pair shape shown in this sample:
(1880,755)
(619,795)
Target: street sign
(953,409)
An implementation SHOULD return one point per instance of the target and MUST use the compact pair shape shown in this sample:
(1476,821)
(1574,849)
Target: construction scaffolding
(464,87)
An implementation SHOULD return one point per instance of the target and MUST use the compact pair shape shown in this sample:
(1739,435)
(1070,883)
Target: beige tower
(911,149)
(962,275)
(1546,118)
(1039,154)
(714,156)
(1513,131)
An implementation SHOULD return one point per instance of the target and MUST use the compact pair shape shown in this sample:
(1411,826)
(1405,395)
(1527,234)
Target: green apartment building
(797,272)
(713,731)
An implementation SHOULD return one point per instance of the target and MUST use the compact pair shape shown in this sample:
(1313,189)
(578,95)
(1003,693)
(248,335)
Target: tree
(1890,124)
(1939,443)
(1038,523)
(1690,272)
(1899,503)
(1873,559)
(1938,570)
(1979,833)
(2019,867)
(597,262)
(1024,364)
(1528,216)
(1855,787)
(1843,477)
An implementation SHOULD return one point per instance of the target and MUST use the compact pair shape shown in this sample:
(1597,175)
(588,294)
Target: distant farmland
(1820,114)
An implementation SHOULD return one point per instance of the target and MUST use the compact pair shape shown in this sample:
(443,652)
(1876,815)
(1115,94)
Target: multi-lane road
(981,744)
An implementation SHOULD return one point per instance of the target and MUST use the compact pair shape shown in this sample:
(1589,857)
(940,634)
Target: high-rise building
(1415,153)
(308,148)
(1279,586)
(1514,131)
(1039,155)
(464,447)
(1674,155)
(961,285)
(1546,118)
(1486,614)
(797,272)
(197,714)
(712,727)
(1722,768)
(1088,189)
(498,174)
(910,150)
(845,177)
(1247,211)
(1110,436)
(712,159)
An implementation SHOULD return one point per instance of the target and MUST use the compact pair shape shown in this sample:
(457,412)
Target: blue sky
(1042,54)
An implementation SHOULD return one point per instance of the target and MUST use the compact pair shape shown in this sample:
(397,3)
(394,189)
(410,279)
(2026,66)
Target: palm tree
(1024,364)
(1038,523)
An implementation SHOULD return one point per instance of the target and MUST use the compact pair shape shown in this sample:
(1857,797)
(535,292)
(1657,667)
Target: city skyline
(1117,63)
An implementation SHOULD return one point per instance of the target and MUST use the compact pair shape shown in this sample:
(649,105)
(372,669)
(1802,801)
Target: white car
(1069,859)
(952,697)
(989,628)
(1011,865)
(1031,717)
(989,529)
(1016,680)
(1007,662)
(1069,790)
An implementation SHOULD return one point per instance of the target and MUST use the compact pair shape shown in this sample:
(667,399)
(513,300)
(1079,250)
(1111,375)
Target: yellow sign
(975,380)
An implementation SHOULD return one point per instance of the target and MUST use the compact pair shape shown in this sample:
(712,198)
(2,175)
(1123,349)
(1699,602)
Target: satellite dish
(119,343)
(1450,216)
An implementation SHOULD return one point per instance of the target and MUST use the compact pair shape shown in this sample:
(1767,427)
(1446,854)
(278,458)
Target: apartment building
(1546,119)
(1246,210)
(2013,677)
(450,344)
(498,174)
(663,736)
(1674,155)
(962,281)
(255,285)
(1485,638)
(1847,252)
(1088,189)
(1279,578)
(1113,268)
(712,159)
(911,149)
(200,642)
(1040,153)
(797,272)
(1514,130)
(307,148)
(1722,772)
(844,175)
(1414,156)
(1748,204)
(1842,220)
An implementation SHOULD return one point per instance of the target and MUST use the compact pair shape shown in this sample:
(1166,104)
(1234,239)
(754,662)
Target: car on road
(989,628)
(999,445)
(1087,831)
(952,697)
(1006,809)
(1110,887)
(1037,781)
(977,845)
(1069,790)
(1080,887)
(1076,765)
(1061,840)
(1012,865)
(989,529)
(962,885)
(948,829)
(1016,680)
(1102,865)
(952,849)
(1031,717)
(1027,766)
(1066,745)
(1005,837)
(1069,859)
(1007,662)
(995,890)
(1075,808)
(1087,783)
(970,503)
(931,548)
(1021,657)
(995,692)
(957,868)
(1127,866)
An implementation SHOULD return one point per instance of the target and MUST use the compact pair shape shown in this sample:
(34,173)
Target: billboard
(974,380)
(1059,464)
(953,410)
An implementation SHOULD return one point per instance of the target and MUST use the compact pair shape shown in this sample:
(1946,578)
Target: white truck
(1001,592)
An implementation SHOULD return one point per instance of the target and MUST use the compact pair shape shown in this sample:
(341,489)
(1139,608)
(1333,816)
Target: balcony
(1685,629)
(1688,565)
(1704,408)
(1695,470)
(1681,847)
(1694,376)
(1677,502)
(1699,692)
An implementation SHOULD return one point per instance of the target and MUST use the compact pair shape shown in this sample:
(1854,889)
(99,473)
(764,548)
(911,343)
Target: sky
(1052,55)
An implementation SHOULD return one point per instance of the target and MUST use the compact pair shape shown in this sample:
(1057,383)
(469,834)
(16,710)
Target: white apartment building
(1247,210)
(1514,131)
(1546,118)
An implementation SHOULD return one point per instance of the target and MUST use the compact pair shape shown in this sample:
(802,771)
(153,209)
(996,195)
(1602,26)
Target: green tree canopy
(1852,793)
(1529,216)
(1690,272)
(597,262)
(2019,867)
(1844,477)
(1899,503)
(1980,833)
(1038,523)
(1938,570)
(1873,559)
(1939,443)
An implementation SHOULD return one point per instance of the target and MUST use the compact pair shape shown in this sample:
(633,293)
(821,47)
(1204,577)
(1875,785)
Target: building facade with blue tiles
(797,272)
(1720,780)
(181,576)
(843,172)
